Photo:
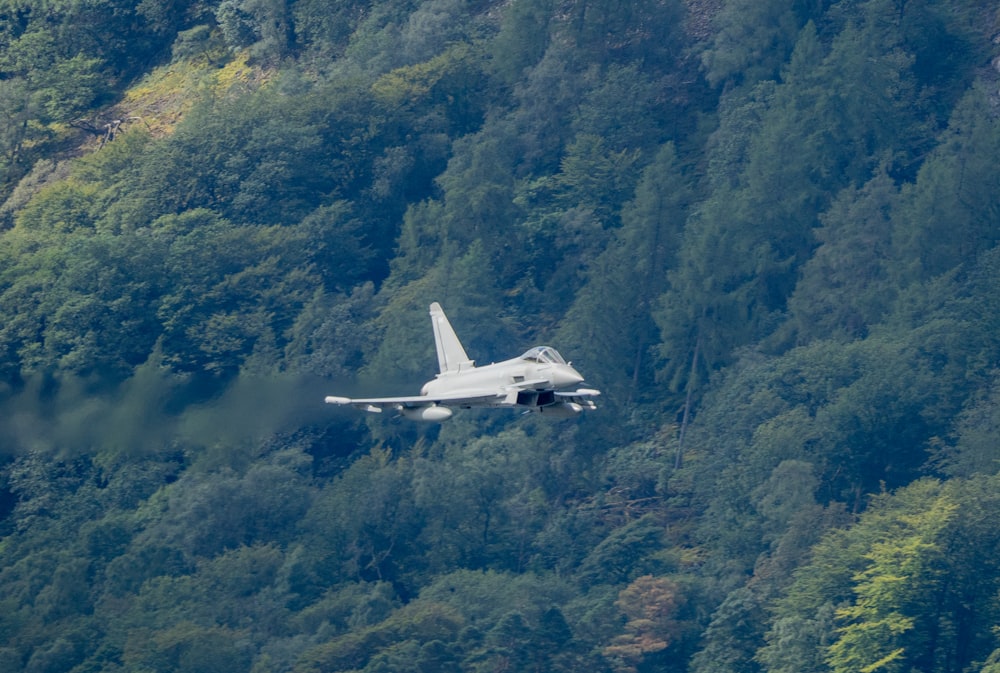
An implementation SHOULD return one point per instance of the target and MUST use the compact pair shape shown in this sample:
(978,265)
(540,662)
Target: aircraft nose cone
(565,376)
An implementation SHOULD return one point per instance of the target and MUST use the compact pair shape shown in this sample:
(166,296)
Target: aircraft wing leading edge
(423,407)
(458,399)
(463,398)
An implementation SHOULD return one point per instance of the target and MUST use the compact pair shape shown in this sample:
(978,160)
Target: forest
(767,230)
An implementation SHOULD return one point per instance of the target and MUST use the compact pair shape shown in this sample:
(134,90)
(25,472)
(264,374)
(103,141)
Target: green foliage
(751,40)
(734,634)
(188,647)
(360,525)
(493,510)
(609,323)
(780,266)
(325,29)
(845,285)
(973,447)
(613,30)
(522,39)
(625,554)
(876,622)
(937,225)
(901,606)
(419,622)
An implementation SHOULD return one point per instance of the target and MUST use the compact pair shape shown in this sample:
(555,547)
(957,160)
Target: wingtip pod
(333,399)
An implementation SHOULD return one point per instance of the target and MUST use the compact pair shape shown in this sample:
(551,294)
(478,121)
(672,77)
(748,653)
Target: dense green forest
(768,231)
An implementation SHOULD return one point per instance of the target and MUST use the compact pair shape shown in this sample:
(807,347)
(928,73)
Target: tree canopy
(767,231)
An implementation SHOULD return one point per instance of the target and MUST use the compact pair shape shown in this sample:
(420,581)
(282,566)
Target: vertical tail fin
(451,355)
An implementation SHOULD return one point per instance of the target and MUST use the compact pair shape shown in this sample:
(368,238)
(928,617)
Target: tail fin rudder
(451,355)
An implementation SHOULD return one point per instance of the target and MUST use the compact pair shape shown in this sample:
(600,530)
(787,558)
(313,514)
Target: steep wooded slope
(767,231)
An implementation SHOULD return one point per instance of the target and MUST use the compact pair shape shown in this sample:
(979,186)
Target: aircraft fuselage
(539,376)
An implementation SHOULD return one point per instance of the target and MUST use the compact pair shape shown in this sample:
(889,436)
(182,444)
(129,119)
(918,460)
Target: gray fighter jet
(534,382)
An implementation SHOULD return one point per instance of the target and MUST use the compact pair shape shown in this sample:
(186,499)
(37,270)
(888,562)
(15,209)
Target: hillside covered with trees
(768,231)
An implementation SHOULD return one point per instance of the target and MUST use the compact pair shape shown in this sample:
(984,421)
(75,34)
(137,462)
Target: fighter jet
(533,382)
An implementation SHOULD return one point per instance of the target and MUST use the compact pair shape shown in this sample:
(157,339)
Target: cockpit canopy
(544,355)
